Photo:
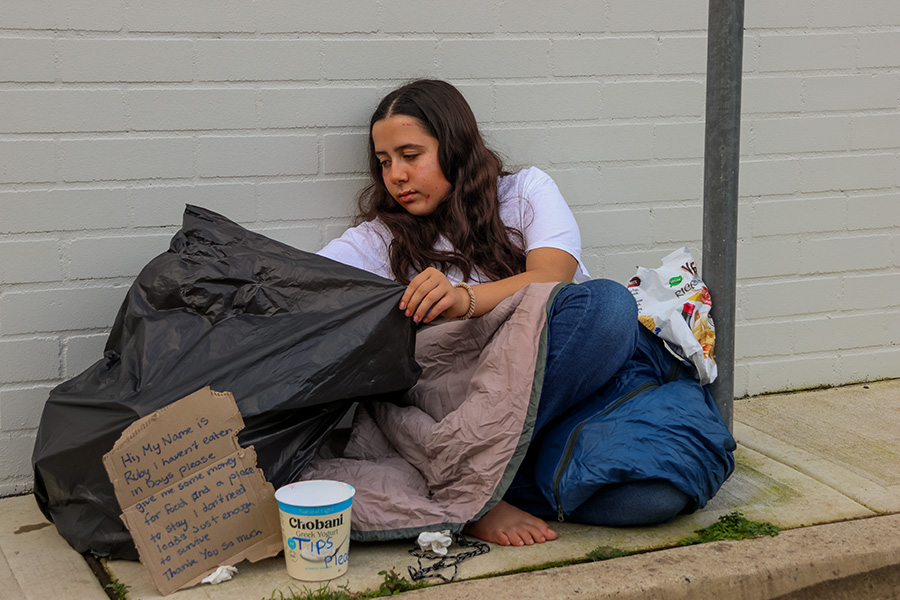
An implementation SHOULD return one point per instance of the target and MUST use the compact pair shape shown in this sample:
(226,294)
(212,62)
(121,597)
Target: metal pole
(720,185)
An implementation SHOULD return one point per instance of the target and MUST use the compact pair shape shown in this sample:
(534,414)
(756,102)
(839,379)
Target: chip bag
(674,303)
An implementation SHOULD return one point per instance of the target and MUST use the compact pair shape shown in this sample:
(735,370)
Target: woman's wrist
(468,303)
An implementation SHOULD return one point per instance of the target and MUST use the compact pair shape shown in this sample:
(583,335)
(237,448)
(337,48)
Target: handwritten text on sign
(191,497)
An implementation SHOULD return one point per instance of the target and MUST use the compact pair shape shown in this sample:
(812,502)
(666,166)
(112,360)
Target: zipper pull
(559,515)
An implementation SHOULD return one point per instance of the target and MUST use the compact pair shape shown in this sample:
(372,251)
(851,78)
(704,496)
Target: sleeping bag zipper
(573,438)
(674,371)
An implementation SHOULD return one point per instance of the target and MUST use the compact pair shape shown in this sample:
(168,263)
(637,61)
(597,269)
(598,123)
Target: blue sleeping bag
(653,420)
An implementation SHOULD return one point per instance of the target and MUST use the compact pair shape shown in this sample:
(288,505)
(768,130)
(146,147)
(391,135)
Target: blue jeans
(593,331)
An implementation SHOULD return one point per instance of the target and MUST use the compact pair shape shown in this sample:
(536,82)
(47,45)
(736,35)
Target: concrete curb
(757,569)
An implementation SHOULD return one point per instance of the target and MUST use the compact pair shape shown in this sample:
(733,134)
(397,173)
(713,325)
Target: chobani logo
(316,523)
(675,280)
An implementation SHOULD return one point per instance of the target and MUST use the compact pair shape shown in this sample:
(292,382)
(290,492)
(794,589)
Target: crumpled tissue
(223,573)
(435,541)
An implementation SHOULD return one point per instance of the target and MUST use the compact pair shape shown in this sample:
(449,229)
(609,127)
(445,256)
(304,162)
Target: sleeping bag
(652,420)
(448,452)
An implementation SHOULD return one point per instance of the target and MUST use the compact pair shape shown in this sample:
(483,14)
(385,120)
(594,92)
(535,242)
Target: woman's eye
(410,157)
(384,163)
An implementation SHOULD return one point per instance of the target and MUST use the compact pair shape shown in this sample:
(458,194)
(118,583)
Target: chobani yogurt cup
(315,527)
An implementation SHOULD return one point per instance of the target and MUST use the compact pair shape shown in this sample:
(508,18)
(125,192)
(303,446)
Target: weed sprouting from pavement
(733,526)
(119,589)
(393,584)
(606,553)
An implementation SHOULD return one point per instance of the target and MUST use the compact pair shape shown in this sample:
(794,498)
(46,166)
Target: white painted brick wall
(206,16)
(490,58)
(648,15)
(54,310)
(798,216)
(125,60)
(39,66)
(344,153)
(27,161)
(601,143)
(20,407)
(857,172)
(42,264)
(461,16)
(174,109)
(643,99)
(873,212)
(529,101)
(651,183)
(355,59)
(52,111)
(309,107)
(125,158)
(114,256)
(521,145)
(115,114)
(679,141)
(611,56)
(64,209)
(874,131)
(682,55)
(800,52)
(304,200)
(835,13)
(877,49)
(336,16)
(257,60)
(81,351)
(816,134)
(94,15)
(159,206)
(767,95)
(850,92)
(537,15)
(231,156)
(31,358)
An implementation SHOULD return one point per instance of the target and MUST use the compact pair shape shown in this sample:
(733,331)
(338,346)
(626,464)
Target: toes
(546,533)
(537,535)
(542,533)
(508,526)
(515,538)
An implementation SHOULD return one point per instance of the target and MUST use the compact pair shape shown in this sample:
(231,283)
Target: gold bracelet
(468,288)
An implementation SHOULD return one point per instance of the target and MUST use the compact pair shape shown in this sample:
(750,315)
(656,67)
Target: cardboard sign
(191,497)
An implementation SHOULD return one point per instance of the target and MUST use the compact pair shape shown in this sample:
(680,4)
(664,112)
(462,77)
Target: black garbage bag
(295,337)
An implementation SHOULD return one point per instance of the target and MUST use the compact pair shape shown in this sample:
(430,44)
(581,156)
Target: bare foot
(509,526)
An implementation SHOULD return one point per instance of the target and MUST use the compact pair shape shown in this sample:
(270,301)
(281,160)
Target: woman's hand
(431,291)
(430,294)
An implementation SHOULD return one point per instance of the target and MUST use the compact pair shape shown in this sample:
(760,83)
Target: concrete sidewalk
(804,460)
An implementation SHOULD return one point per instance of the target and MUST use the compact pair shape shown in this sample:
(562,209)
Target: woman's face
(409,164)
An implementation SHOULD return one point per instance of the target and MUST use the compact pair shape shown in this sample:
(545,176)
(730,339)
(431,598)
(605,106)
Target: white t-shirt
(530,202)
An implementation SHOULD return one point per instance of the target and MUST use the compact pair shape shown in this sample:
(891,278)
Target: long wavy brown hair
(469,217)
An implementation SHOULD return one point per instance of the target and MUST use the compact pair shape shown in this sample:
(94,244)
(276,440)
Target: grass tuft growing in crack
(117,588)
(606,553)
(392,585)
(733,526)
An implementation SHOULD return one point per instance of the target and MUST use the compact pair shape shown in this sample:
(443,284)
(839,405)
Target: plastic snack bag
(674,303)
